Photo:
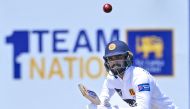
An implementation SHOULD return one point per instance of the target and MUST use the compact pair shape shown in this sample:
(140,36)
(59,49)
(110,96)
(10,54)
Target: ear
(130,54)
(129,61)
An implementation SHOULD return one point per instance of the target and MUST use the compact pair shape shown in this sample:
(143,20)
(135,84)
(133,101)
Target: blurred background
(48,47)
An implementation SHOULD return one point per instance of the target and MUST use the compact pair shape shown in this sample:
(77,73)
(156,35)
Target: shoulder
(110,82)
(140,75)
(110,79)
(141,79)
(138,71)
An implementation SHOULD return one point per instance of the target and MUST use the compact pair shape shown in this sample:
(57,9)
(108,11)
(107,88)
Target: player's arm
(106,94)
(89,94)
(142,87)
(143,95)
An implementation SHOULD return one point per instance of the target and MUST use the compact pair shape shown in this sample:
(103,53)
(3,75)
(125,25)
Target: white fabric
(134,76)
(93,106)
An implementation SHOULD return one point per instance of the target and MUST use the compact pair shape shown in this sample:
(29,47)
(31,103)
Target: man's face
(116,61)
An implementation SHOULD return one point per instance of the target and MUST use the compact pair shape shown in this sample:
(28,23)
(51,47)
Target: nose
(114,63)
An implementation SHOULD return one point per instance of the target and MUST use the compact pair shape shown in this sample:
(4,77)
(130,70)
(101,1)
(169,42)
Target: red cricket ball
(107,8)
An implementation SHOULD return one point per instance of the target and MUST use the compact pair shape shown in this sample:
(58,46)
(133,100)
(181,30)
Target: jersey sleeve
(142,87)
(106,93)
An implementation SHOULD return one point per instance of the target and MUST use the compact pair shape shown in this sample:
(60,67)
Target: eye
(120,57)
(111,58)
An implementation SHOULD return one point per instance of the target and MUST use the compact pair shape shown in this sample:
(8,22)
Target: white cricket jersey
(137,88)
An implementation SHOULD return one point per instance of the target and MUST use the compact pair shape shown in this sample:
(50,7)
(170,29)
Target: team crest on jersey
(132,92)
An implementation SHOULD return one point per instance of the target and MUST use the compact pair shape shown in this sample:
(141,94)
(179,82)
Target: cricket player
(133,84)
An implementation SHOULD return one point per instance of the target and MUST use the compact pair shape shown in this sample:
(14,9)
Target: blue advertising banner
(153,50)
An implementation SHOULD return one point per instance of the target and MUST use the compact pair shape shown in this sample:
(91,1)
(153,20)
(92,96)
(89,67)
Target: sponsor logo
(144,87)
